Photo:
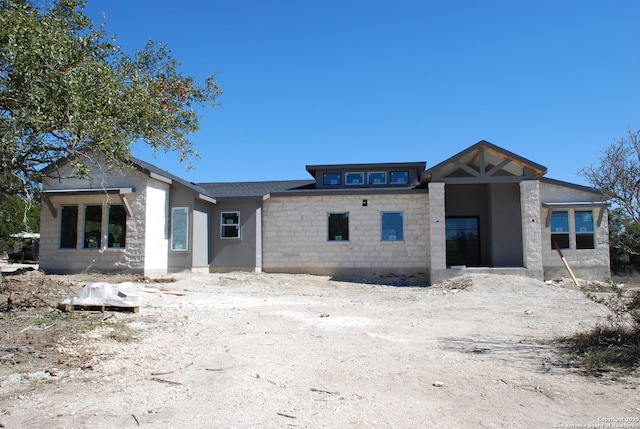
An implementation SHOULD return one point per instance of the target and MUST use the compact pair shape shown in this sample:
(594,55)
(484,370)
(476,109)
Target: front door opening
(463,241)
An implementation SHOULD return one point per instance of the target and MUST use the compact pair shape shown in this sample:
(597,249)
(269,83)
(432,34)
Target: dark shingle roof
(252,189)
(147,168)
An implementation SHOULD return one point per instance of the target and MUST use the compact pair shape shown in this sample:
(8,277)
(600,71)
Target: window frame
(580,235)
(226,224)
(331,225)
(396,182)
(121,243)
(559,233)
(73,231)
(358,174)
(391,238)
(88,235)
(173,244)
(328,181)
(371,173)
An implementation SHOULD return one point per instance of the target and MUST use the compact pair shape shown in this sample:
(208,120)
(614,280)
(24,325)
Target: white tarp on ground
(102,293)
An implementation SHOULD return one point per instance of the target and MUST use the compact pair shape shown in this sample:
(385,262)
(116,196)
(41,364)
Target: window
(377,178)
(462,241)
(338,226)
(117,227)
(392,229)
(584,230)
(180,229)
(354,178)
(332,179)
(230,225)
(69,227)
(92,227)
(560,230)
(399,177)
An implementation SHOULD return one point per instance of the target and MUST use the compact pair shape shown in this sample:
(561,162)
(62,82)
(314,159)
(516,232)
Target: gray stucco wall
(229,254)
(505,225)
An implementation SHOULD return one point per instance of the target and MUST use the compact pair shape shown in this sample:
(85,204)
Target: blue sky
(355,81)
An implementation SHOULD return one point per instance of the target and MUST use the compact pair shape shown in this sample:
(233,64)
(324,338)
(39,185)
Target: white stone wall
(295,234)
(132,258)
(586,263)
(156,228)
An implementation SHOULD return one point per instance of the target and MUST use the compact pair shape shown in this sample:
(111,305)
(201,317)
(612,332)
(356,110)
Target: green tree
(624,242)
(68,90)
(617,175)
(16,215)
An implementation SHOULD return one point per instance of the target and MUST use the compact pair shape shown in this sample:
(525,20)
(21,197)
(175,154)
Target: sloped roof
(222,190)
(485,159)
(146,168)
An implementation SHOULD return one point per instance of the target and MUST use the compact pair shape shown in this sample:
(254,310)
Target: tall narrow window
(584,230)
(69,227)
(92,227)
(180,229)
(117,227)
(230,225)
(392,228)
(560,230)
(338,226)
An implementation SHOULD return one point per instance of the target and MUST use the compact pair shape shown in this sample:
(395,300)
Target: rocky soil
(245,350)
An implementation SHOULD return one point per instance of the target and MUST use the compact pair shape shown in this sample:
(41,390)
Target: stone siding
(590,264)
(132,258)
(531,227)
(295,237)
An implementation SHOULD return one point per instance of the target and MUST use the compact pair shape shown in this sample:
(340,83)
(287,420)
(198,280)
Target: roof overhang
(89,191)
(585,205)
(485,162)
(121,192)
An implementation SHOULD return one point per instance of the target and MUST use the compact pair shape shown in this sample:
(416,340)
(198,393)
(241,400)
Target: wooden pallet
(101,308)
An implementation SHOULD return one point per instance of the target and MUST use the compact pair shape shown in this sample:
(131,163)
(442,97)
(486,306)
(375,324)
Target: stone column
(531,227)
(437,230)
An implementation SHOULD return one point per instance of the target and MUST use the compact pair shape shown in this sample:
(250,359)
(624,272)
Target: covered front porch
(485,214)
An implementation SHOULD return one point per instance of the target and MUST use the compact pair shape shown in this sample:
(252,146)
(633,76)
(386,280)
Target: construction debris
(102,296)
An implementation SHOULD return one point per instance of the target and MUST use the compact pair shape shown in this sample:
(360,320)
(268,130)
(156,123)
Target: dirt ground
(246,350)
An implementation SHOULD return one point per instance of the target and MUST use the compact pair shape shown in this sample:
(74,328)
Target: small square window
(332,179)
(354,178)
(399,177)
(377,178)
(230,225)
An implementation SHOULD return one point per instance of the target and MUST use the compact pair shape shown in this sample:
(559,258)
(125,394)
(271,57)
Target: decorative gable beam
(50,206)
(466,168)
(499,167)
(126,205)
